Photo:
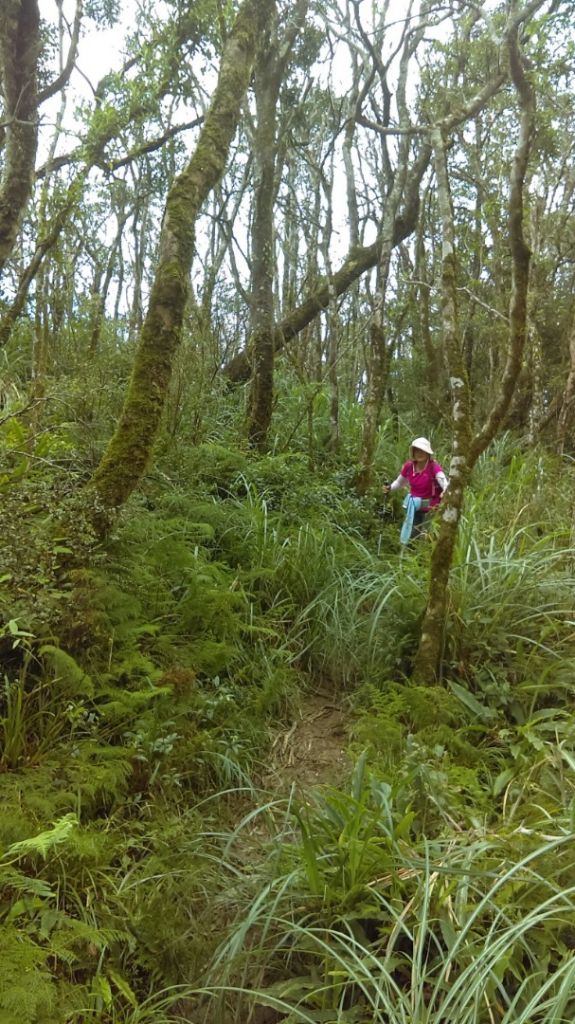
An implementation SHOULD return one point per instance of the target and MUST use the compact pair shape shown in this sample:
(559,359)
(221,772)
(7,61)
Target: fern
(45,841)
(20,885)
(69,678)
(27,992)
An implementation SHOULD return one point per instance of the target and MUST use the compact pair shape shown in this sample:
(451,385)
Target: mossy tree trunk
(19,51)
(267,81)
(128,453)
(20,47)
(274,56)
(466,447)
(261,344)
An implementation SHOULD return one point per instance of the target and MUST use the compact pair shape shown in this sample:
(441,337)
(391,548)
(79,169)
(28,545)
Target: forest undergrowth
(157,865)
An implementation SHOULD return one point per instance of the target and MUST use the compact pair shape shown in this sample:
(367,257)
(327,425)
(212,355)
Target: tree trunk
(467,449)
(291,239)
(19,50)
(128,453)
(269,75)
(332,327)
(431,639)
(566,413)
(43,246)
(267,81)
(101,294)
(477,258)
(423,320)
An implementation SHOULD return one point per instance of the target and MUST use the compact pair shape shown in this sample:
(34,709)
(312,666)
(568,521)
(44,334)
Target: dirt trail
(310,752)
(313,750)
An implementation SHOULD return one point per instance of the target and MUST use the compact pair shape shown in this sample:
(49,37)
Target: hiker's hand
(386,488)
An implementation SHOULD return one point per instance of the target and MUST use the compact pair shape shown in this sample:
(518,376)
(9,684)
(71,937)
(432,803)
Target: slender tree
(466,446)
(270,70)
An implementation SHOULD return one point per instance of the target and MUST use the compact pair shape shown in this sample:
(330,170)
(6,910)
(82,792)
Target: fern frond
(68,675)
(44,841)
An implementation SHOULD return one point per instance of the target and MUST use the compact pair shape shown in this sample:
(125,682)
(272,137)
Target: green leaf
(101,987)
(123,987)
(502,780)
(14,629)
(485,714)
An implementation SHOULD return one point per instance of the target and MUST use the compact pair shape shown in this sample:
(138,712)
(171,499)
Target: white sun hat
(423,444)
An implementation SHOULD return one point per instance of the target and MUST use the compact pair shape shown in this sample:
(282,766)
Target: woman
(426,481)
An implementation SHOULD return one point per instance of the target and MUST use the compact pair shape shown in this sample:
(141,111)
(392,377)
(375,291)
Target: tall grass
(364,619)
(367,923)
(512,588)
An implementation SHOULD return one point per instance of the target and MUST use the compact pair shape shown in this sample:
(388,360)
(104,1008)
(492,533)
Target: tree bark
(432,631)
(423,319)
(267,81)
(269,74)
(332,321)
(128,453)
(19,50)
(378,349)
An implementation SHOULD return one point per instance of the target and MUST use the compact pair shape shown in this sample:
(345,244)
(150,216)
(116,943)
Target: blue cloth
(411,506)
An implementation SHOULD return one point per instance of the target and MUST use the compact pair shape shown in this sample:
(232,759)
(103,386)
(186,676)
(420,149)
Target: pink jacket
(428,484)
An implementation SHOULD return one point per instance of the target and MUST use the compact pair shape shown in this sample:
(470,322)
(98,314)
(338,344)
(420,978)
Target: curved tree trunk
(127,455)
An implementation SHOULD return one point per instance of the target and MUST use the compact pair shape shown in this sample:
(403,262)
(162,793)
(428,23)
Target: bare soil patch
(312,751)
